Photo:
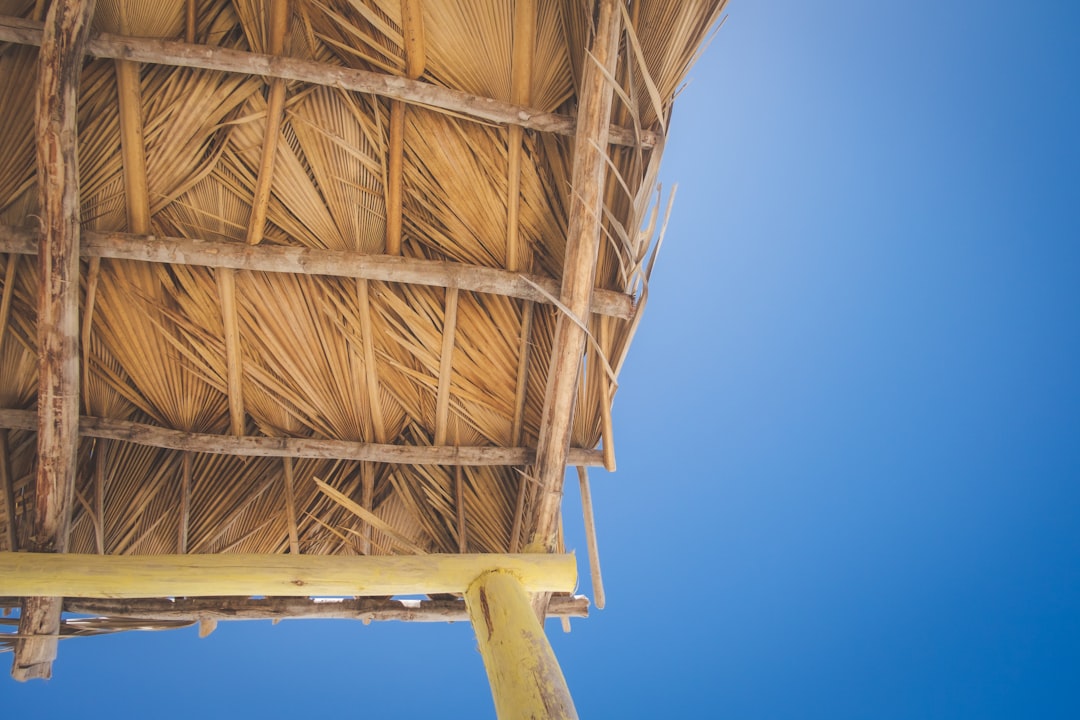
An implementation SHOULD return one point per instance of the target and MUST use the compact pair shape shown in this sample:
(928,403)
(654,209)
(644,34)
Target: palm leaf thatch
(174,150)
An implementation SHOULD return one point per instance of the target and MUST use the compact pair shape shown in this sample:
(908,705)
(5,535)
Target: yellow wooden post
(525,678)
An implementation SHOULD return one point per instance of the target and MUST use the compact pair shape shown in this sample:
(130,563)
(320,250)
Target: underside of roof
(332,256)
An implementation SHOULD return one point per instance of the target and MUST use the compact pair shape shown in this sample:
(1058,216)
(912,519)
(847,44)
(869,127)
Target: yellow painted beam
(136,576)
(526,681)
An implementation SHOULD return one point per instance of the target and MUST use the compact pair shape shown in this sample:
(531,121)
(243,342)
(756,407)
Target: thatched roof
(319,305)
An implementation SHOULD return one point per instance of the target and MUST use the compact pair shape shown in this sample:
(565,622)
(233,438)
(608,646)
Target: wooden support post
(525,678)
(275,109)
(133,146)
(99,495)
(60,62)
(197,575)
(583,242)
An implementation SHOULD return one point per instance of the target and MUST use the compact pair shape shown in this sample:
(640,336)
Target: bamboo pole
(281,608)
(7,482)
(60,61)
(185,503)
(260,446)
(525,677)
(583,241)
(140,576)
(332,263)
(413,92)
(133,146)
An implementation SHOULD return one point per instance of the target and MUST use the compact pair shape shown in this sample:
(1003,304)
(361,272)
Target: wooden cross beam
(415,92)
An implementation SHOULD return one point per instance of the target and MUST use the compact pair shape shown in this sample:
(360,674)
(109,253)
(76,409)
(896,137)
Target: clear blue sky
(848,431)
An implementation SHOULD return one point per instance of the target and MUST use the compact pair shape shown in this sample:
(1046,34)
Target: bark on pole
(60,62)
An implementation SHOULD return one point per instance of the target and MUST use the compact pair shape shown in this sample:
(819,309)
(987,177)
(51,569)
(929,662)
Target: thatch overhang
(349,277)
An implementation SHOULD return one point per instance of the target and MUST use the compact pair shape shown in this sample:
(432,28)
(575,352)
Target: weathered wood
(310,261)
(7,484)
(137,576)
(257,446)
(583,242)
(525,678)
(59,64)
(226,284)
(412,31)
(290,506)
(446,365)
(167,52)
(521,63)
(184,523)
(133,147)
(281,608)
(590,537)
(517,427)
(275,110)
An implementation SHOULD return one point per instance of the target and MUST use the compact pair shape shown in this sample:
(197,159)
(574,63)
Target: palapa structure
(319,298)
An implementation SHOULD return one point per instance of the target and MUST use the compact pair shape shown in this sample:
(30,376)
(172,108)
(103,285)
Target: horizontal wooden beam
(148,576)
(288,608)
(207,57)
(257,446)
(310,261)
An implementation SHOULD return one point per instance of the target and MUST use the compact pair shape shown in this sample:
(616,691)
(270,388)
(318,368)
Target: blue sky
(848,432)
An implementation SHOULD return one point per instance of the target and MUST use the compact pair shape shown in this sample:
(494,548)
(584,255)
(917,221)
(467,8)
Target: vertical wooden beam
(459,500)
(290,506)
(99,494)
(60,63)
(446,363)
(185,502)
(133,146)
(226,282)
(275,108)
(579,275)
(374,404)
(525,678)
(412,29)
(590,538)
(367,501)
(520,91)
(8,483)
(607,427)
(189,22)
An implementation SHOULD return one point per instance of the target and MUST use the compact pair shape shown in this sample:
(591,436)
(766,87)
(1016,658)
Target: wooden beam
(140,576)
(59,65)
(310,261)
(259,446)
(446,364)
(280,608)
(415,92)
(226,284)
(275,111)
(525,677)
(7,483)
(99,495)
(517,428)
(290,507)
(184,522)
(412,31)
(521,64)
(590,537)
(133,146)
(583,242)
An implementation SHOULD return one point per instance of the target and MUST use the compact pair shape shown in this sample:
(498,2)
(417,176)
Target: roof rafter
(262,446)
(311,261)
(168,52)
